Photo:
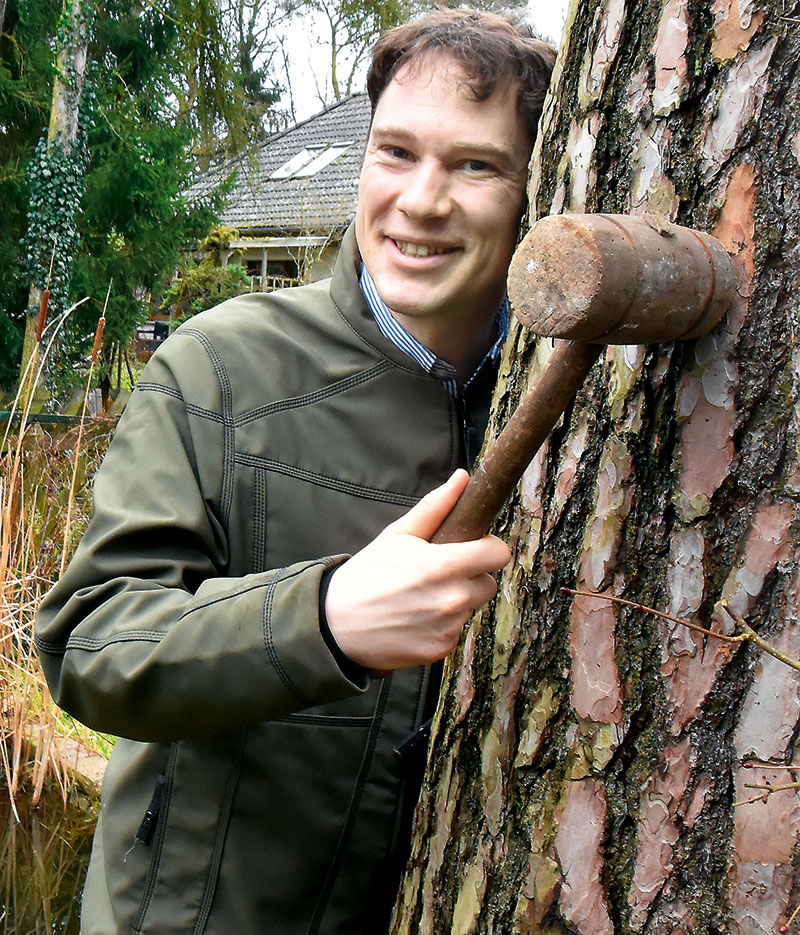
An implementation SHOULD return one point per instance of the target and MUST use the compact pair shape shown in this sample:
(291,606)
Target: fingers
(468,559)
(454,605)
(402,600)
(427,516)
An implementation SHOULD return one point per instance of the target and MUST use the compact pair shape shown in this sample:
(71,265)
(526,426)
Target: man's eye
(477,165)
(397,152)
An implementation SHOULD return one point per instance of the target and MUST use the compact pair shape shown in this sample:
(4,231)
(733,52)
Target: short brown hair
(493,51)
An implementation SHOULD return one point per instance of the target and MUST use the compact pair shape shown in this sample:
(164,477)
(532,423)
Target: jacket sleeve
(146,636)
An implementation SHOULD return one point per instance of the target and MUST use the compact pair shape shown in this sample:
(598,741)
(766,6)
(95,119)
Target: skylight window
(310,160)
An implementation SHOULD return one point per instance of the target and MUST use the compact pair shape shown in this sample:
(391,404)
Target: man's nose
(426,194)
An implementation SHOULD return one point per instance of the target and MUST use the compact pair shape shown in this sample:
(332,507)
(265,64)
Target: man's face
(440,197)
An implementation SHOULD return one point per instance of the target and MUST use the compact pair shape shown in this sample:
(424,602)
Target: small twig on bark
(748,634)
(659,613)
(768,788)
(766,792)
(752,764)
(785,927)
(759,641)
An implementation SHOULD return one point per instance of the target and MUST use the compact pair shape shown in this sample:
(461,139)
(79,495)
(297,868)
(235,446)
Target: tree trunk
(57,174)
(586,756)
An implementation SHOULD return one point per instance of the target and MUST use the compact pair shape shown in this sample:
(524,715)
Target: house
(293,199)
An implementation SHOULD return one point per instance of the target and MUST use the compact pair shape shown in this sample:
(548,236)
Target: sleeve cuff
(356,673)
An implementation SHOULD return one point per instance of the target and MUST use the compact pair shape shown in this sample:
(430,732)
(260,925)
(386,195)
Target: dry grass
(45,475)
(39,528)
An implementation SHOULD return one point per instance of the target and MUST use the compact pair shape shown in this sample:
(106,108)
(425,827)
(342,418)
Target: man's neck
(453,358)
(464,350)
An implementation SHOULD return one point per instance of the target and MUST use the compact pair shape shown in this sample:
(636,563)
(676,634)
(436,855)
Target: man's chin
(403,308)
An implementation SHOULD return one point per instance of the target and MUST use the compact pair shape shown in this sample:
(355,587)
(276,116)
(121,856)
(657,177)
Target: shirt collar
(406,342)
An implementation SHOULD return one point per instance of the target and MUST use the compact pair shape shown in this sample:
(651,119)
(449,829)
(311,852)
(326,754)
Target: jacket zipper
(153,828)
(467,434)
(148,825)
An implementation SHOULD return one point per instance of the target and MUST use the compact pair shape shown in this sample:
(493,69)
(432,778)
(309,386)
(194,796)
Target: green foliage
(160,81)
(202,285)
(26,69)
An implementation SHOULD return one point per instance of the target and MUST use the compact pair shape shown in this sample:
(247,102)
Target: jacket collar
(352,306)
(348,297)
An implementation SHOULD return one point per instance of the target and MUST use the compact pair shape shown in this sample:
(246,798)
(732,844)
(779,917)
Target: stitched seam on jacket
(209,602)
(259,559)
(352,812)
(159,388)
(417,371)
(314,720)
(191,408)
(269,645)
(226,495)
(88,643)
(219,837)
(308,399)
(158,844)
(333,483)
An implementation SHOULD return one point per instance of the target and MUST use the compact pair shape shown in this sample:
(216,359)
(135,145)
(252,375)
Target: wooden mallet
(591,280)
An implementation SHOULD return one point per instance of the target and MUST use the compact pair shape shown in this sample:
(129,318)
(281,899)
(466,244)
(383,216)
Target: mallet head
(619,279)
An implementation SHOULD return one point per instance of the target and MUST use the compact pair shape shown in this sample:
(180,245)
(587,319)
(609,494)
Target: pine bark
(586,756)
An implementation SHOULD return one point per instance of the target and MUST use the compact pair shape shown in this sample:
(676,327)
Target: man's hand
(402,600)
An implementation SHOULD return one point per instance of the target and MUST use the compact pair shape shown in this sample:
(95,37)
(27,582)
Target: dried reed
(44,504)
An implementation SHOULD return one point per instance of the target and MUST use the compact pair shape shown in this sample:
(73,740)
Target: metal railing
(270,283)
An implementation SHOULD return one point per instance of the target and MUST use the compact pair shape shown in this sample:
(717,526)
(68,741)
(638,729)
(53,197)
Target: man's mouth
(419,249)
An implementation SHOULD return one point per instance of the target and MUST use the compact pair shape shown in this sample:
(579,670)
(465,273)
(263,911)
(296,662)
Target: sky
(546,17)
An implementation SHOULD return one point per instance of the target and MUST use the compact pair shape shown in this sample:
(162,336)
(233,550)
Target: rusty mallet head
(593,279)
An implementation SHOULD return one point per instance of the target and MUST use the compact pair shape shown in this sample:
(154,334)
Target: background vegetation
(167,89)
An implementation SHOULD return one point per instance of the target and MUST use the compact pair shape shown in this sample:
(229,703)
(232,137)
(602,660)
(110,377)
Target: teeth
(415,249)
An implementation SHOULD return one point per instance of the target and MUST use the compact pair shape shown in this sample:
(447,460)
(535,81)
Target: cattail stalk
(98,340)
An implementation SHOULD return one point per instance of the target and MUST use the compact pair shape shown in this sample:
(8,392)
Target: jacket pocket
(150,832)
(187,823)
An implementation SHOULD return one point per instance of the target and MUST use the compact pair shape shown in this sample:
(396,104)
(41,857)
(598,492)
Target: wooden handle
(497,475)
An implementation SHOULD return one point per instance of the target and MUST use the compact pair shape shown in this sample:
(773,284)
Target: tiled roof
(323,202)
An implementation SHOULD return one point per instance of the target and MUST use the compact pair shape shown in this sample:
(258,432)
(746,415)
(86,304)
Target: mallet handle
(513,450)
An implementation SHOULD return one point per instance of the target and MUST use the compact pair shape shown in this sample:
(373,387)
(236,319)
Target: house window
(278,273)
(282,269)
(310,160)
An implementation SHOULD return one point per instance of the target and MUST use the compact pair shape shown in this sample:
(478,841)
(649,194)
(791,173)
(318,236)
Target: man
(255,606)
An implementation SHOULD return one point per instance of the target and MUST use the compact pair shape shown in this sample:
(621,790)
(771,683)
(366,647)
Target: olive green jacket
(257,791)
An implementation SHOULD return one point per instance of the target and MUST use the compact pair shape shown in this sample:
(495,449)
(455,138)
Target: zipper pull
(469,434)
(413,742)
(148,825)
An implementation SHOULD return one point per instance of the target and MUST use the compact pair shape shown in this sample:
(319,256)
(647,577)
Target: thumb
(423,519)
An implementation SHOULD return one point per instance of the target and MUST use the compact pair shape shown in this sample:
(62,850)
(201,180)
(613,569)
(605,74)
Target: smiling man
(440,197)
(256,609)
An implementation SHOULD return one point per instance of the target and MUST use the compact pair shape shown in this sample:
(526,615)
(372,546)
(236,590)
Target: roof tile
(326,201)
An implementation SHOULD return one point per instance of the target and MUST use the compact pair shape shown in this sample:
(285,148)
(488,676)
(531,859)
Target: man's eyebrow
(486,150)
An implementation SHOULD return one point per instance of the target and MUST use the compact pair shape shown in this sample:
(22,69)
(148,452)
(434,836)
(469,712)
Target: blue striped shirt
(393,331)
